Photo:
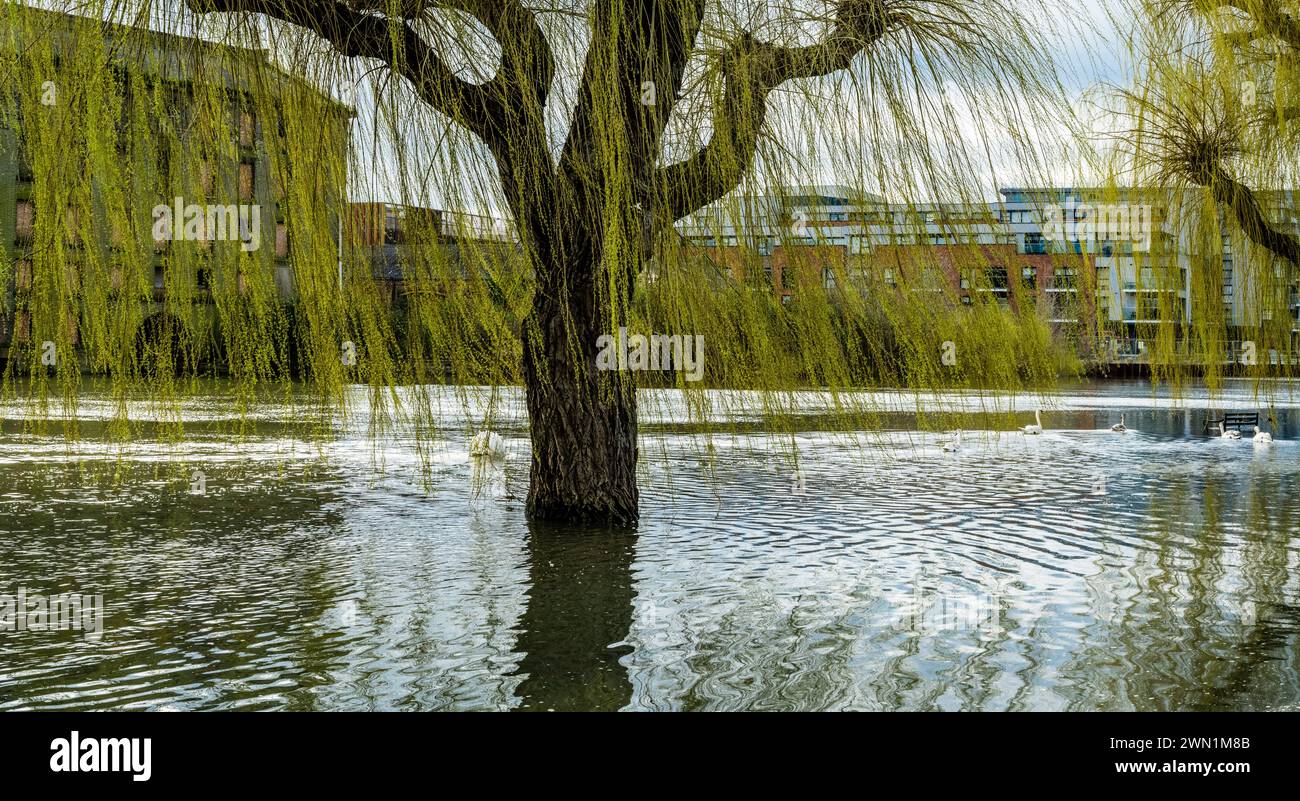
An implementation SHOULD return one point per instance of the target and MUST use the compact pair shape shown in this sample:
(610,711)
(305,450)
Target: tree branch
(641,75)
(507,112)
(528,65)
(361,35)
(1245,208)
(751,70)
(1269,18)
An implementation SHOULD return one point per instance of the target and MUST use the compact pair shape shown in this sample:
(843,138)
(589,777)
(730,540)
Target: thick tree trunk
(583,421)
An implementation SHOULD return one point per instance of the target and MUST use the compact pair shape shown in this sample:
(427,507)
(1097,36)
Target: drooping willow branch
(505,112)
(751,70)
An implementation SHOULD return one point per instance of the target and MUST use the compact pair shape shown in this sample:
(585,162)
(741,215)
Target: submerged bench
(1237,420)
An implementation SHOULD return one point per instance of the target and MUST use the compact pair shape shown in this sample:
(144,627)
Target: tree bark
(582,420)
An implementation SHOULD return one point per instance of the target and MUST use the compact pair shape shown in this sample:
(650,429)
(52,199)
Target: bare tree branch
(507,113)
(751,70)
(1245,208)
(358,34)
(1270,19)
(644,73)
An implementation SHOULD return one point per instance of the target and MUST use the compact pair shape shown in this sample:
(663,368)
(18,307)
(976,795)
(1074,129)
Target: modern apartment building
(1102,262)
(968,248)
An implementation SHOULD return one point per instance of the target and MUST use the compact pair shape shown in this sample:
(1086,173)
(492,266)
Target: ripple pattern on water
(1079,569)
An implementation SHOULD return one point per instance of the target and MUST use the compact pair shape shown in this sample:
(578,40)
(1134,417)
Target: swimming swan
(488,445)
(953,445)
(1262,437)
(1034,428)
(1119,428)
(1226,434)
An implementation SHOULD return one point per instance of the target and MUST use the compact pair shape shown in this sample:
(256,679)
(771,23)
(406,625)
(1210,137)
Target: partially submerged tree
(597,127)
(588,216)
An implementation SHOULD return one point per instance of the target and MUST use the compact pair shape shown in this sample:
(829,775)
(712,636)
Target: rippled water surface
(1076,570)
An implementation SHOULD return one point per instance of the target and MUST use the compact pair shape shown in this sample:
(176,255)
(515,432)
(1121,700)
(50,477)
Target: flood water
(1079,569)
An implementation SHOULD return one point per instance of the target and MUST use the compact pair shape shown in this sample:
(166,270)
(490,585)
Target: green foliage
(879,94)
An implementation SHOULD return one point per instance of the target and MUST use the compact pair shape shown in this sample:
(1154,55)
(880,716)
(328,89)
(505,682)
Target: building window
(246,129)
(23,275)
(26,215)
(116,233)
(207,178)
(26,172)
(22,326)
(245,181)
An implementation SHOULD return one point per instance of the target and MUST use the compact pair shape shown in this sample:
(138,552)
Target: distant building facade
(1098,262)
(230,166)
(405,244)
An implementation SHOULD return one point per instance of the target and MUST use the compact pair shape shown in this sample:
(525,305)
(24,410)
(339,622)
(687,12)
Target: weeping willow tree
(1211,124)
(596,131)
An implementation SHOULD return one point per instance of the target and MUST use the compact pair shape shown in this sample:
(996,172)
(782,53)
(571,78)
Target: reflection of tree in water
(1262,669)
(1207,624)
(579,607)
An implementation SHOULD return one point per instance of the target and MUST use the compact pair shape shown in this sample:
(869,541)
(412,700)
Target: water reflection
(573,633)
(1076,570)
(211,600)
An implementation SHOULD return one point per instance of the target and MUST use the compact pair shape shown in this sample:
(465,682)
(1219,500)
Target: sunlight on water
(1080,569)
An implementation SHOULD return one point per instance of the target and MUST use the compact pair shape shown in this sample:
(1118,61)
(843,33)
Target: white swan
(1227,434)
(1262,437)
(488,445)
(1119,428)
(1036,427)
(952,445)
